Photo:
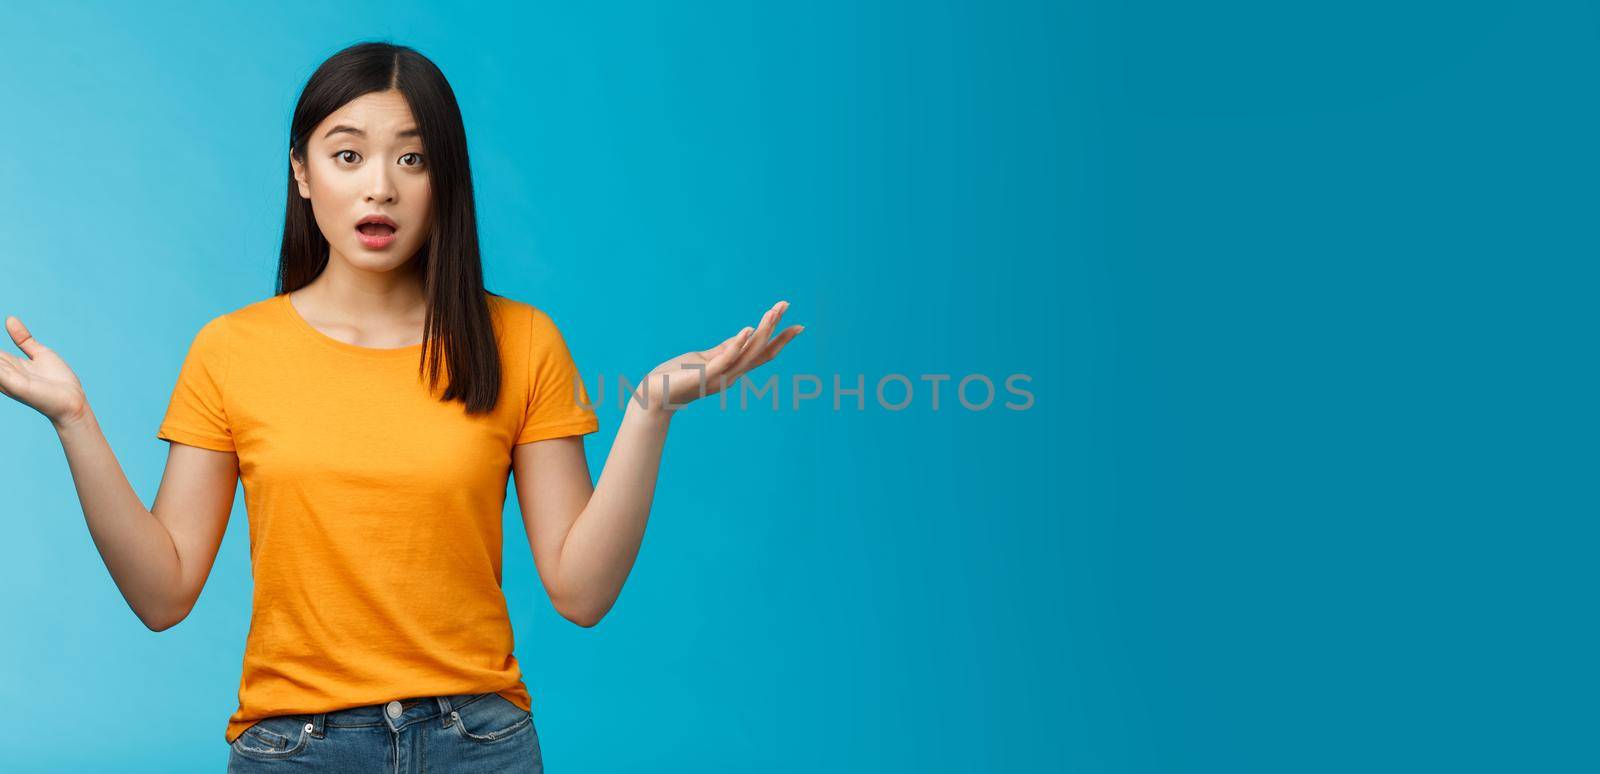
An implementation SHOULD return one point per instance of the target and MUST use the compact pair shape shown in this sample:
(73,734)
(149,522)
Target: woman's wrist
(73,420)
(653,416)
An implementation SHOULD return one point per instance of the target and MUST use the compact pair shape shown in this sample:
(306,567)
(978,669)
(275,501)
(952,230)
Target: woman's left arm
(586,537)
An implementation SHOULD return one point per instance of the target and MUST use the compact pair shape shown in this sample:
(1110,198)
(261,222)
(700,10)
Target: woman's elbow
(582,617)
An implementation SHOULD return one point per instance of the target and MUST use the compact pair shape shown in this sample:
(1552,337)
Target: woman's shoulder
(241,317)
(533,323)
(499,303)
(266,308)
(520,312)
(507,302)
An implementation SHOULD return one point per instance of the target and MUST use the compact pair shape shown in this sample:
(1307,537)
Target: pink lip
(375,242)
(378,217)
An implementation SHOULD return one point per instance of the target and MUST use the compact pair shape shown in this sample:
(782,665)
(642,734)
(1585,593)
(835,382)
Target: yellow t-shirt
(375,509)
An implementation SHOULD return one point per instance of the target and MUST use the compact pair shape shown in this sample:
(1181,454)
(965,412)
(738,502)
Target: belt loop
(444,710)
(319,724)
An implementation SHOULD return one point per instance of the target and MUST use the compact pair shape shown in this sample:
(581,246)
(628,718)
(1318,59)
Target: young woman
(373,409)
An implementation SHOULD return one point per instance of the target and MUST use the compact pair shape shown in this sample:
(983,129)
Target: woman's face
(366,159)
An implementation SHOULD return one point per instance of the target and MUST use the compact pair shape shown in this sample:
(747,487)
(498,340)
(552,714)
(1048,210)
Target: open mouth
(375,229)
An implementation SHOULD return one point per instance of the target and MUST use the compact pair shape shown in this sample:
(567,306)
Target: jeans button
(393,709)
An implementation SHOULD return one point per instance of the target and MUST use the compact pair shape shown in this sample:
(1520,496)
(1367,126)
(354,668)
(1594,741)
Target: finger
(8,358)
(731,341)
(777,345)
(759,339)
(774,347)
(10,379)
(733,347)
(716,357)
(23,339)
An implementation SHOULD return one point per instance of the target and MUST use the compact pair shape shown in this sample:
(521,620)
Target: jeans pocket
(489,718)
(276,737)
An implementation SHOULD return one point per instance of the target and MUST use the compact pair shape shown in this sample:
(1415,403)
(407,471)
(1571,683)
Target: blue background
(1305,290)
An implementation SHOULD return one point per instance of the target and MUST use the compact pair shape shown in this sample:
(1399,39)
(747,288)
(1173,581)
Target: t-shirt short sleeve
(195,415)
(558,402)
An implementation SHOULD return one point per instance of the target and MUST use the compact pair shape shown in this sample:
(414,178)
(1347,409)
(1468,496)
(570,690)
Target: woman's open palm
(42,380)
(722,365)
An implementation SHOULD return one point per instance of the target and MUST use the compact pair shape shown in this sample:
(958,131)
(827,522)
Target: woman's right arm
(160,557)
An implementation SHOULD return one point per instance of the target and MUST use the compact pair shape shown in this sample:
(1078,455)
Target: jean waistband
(396,713)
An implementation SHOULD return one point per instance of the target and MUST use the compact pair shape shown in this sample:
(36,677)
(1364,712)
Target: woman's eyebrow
(412,132)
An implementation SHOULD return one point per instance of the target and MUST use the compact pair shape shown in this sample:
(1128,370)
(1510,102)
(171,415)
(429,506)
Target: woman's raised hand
(676,382)
(42,381)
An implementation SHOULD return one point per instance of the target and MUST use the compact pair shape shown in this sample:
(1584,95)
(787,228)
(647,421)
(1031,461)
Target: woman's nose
(380,188)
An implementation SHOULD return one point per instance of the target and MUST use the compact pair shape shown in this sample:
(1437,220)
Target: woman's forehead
(375,116)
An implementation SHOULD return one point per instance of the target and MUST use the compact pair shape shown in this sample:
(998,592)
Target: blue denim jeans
(466,733)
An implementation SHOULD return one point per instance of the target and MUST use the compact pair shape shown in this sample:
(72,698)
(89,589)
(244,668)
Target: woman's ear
(300,175)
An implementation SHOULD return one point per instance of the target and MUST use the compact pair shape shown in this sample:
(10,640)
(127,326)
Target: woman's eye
(418,162)
(340,155)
